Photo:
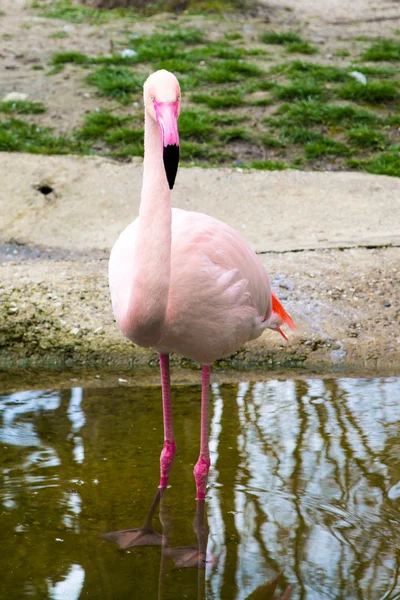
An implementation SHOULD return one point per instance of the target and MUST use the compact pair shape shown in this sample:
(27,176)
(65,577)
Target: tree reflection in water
(305,477)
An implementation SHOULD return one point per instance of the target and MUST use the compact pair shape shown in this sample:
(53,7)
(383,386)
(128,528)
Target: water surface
(305,477)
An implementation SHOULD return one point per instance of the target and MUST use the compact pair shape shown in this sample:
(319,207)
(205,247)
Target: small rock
(75,331)
(120,380)
(360,77)
(387,304)
(128,53)
(86,95)
(15,96)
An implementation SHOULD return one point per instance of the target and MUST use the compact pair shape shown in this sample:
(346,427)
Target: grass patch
(20,136)
(268,165)
(375,92)
(229,71)
(97,124)
(78,13)
(195,126)
(178,65)
(313,112)
(325,147)
(362,137)
(59,35)
(321,73)
(300,90)
(125,136)
(116,82)
(280,38)
(22,107)
(271,142)
(233,35)
(383,50)
(222,99)
(301,48)
(234,134)
(376,71)
(63,58)
(385,163)
(299,135)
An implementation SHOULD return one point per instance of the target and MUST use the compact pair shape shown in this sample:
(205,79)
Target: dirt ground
(27,41)
(329,240)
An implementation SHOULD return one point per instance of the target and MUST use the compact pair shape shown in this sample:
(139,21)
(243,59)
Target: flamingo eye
(152,98)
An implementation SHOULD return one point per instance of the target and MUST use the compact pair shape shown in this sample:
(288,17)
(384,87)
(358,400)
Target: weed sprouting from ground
(116,82)
(280,38)
(22,107)
(376,92)
(383,50)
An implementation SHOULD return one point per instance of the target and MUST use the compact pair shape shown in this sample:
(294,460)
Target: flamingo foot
(186,557)
(200,471)
(127,538)
(166,460)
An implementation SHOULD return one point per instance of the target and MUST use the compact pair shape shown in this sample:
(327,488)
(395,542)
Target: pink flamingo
(183,281)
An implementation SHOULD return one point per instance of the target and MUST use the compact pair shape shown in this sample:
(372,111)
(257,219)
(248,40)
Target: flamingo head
(162,97)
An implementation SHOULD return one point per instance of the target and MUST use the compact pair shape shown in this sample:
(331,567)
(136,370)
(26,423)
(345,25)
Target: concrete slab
(94,199)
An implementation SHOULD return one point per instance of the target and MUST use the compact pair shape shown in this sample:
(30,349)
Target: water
(305,477)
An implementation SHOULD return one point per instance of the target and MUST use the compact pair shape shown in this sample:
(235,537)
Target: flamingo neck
(153,241)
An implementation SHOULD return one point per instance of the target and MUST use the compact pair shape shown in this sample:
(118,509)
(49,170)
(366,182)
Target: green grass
(116,82)
(229,71)
(299,135)
(125,136)
(78,13)
(374,92)
(363,137)
(177,66)
(97,124)
(195,125)
(300,90)
(268,165)
(325,147)
(321,73)
(222,99)
(385,163)
(233,35)
(378,71)
(62,58)
(59,35)
(20,136)
(383,50)
(313,112)
(270,141)
(301,48)
(235,134)
(280,38)
(22,107)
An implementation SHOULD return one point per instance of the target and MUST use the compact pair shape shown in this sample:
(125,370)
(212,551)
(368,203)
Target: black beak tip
(171,161)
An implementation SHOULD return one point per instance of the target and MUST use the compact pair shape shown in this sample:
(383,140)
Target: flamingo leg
(169,449)
(203,464)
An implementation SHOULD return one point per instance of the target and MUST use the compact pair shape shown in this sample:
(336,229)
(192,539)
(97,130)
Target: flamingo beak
(167,118)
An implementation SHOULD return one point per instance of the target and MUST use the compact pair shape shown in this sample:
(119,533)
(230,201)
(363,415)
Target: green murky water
(305,477)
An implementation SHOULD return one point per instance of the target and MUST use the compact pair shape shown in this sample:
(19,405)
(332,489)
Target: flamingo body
(219,294)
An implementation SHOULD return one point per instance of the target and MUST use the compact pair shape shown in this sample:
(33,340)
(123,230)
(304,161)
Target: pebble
(387,304)
(15,96)
(75,331)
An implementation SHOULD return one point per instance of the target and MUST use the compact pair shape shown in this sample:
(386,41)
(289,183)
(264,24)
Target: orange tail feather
(279,310)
